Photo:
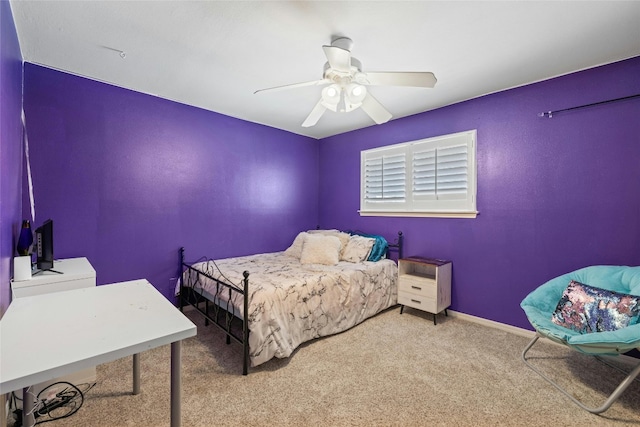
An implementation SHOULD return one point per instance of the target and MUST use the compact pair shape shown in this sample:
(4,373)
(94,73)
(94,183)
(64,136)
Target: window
(429,177)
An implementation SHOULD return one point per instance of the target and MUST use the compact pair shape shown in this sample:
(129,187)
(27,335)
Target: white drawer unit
(425,284)
(70,274)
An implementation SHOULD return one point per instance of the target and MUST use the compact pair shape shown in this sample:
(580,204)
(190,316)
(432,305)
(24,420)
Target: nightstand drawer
(418,301)
(418,286)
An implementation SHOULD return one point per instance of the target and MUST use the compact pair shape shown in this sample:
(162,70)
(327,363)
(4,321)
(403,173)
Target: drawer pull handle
(417,302)
(416,287)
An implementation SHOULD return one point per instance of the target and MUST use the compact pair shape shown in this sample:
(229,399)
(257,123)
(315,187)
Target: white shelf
(77,273)
(419,276)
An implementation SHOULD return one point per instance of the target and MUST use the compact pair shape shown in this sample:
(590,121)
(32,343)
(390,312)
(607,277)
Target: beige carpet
(393,370)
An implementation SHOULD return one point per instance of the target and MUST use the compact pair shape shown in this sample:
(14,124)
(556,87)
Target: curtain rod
(551,113)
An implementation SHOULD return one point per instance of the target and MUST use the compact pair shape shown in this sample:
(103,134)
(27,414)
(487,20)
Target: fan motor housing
(340,76)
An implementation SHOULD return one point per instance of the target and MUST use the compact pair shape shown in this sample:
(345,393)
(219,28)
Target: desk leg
(3,410)
(176,383)
(136,373)
(28,417)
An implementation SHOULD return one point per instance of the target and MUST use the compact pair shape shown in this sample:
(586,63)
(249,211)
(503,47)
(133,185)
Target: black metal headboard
(397,246)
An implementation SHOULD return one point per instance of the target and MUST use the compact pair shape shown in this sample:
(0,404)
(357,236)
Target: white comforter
(290,303)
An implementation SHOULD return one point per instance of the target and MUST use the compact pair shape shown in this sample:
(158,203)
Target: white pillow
(320,249)
(344,237)
(296,247)
(358,249)
(321,231)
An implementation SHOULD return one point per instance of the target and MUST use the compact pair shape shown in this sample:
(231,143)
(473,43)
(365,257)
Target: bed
(326,282)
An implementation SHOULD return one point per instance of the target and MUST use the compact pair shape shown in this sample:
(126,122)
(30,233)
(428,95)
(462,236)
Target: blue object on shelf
(25,240)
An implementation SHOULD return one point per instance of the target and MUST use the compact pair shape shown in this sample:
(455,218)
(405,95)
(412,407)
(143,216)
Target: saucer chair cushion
(541,304)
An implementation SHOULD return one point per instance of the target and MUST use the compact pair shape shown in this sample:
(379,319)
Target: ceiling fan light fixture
(347,85)
(342,105)
(331,94)
(331,97)
(356,93)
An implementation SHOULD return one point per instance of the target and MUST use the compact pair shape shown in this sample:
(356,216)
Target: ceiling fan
(347,84)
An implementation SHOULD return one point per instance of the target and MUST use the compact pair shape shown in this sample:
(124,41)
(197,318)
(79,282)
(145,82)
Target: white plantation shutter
(424,173)
(452,172)
(385,178)
(434,175)
(440,173)
(373,179)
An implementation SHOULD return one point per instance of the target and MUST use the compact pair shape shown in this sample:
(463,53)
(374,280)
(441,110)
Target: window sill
(471,214)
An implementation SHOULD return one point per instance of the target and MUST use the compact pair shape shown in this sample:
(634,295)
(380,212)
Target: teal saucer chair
(540,305)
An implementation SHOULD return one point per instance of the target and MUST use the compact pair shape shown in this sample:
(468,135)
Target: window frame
(448,184)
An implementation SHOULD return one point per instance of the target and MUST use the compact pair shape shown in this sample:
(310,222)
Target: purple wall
(129,178)
(10,147)
(554,194)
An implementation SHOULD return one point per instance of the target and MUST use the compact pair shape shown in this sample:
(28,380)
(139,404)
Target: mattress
(291,303)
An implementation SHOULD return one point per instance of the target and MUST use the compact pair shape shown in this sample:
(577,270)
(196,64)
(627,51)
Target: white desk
(76,273)
(101,324)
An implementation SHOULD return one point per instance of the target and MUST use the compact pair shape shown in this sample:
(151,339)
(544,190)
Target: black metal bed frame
(221,311)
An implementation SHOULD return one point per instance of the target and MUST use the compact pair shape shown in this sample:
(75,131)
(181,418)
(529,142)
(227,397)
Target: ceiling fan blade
(415,79)
(375,110)
(339,58)
(291,86)
(314,115)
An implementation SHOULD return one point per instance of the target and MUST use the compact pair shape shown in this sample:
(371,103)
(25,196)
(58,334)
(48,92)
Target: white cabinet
(425,284)
(73,273)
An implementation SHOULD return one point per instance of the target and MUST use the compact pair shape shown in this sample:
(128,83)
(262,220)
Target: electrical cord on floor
(56,401)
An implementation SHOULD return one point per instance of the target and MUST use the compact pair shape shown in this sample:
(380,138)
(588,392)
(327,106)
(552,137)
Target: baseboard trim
(492,324)
(632,361)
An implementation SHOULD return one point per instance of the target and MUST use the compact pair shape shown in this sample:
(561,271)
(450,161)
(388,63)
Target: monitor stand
(47,269)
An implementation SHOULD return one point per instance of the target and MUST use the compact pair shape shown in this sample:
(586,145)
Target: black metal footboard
(221,305)
(227,305)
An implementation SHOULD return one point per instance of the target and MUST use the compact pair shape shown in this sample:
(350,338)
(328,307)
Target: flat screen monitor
(44,246)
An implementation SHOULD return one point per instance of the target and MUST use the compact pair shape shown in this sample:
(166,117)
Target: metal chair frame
(626,382)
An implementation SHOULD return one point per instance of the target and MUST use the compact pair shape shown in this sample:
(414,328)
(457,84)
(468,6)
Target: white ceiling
(215,54)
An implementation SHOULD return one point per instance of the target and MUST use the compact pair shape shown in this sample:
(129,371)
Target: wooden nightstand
(425,284)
